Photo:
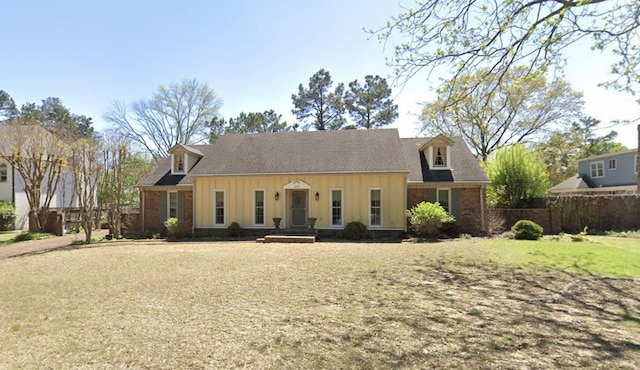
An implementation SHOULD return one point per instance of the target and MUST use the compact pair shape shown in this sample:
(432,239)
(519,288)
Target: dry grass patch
(232,305)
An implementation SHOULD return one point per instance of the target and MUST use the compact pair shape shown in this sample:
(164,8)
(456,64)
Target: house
(611,173)
(12,186)
(319,179)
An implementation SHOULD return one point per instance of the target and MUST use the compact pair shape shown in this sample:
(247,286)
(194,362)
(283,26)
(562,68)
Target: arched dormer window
(3,173)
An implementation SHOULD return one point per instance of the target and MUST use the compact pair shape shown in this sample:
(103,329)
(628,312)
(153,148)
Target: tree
(8,108)
(118,182)
(58,119)
(323,108)
(178,113)
(426,218)
(370,105)
(467,35)
(563,149)
(253,123)
(39,157)
(86,172)
(516,108)
(516,175)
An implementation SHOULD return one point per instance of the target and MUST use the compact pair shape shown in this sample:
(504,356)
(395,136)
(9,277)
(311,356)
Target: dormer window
(440,156)
(3,173)
(179,166)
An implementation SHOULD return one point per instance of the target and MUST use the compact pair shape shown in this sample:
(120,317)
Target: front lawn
(453,304)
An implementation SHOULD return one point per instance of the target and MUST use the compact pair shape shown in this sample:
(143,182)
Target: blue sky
(253,54)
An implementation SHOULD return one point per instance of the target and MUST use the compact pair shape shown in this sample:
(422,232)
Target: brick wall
(151,212)
(501,220)
(471,211)
(470,220)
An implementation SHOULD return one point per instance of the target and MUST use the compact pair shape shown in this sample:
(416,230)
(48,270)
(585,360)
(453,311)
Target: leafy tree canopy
(517,107)
(56,118)
(257,122)
(319,106)
(8,108)
(517,175)
(370,105)
(465,36)
(563,149)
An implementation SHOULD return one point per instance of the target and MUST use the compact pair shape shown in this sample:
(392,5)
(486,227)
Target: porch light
(277,195)
(317,195)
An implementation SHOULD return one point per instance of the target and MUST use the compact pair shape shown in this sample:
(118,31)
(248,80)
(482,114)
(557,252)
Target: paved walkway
(44,245)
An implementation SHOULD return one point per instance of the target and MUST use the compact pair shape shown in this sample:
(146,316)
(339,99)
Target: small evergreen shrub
(426,218)
(234,230)
(7,215)
(175,229)
(449,229)
(355,230)
(527,230)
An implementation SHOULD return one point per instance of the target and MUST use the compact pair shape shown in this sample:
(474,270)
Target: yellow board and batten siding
(239,198)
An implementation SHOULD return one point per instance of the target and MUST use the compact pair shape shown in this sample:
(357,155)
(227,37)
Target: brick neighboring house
(321,178)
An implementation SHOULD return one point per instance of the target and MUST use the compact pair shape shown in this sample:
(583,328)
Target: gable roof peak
(186,148)
(436,139)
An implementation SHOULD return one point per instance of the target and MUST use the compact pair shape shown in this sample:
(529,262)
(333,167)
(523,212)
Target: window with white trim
(179,165)
(258,207)
(219,203)
(336,207)
(597,169)
(172,204)
(375,202)
(613,164)
(3,173)
(443,197)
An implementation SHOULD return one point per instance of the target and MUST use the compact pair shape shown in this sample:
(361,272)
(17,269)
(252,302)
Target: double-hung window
(172,204)
(336,207)
(375,201)
(219,202)
(597,169)
(440,156)
(444,198)
(613,164)
(258,202)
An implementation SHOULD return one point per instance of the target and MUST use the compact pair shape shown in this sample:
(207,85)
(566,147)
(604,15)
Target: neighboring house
(324,179)
(611,173)
(12,190)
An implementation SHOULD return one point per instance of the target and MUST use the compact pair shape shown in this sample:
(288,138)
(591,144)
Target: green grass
(6,236)
(605,256)
(450,304)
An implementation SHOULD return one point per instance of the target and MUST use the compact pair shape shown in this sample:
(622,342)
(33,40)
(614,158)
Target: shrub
(7,215)
(527,230)
(449,229)
(426,218)
(175,229)
(234,230)
(355,230)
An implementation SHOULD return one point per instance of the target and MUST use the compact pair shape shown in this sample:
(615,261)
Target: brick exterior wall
(470,220)
(151,211)
(471,211)
(152,222)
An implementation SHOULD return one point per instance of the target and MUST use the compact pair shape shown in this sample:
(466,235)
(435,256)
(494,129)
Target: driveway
(44,245)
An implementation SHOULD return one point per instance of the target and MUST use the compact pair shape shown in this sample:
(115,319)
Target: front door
(298,208)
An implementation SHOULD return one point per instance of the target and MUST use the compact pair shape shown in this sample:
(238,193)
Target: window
(218,214)
(375,196)
(336,207)
(172,204)
(444,198)
(178,163)
(258,201)
(3,173)
(440,156)
(597,169)
(613,164)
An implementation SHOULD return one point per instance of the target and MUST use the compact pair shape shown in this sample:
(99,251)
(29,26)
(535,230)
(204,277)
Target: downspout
(13,185)
(143,195)
(193,207)
(482,208)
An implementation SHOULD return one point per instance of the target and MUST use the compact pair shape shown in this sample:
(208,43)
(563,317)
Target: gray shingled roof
(464,166)
(345,151)
(573,183)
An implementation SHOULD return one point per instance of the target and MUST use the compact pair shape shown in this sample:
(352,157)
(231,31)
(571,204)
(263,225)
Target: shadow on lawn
(484,316)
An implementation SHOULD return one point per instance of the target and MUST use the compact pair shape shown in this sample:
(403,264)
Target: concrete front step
(287,239)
